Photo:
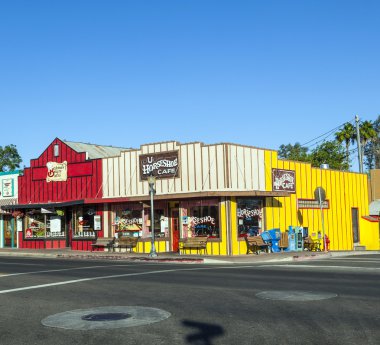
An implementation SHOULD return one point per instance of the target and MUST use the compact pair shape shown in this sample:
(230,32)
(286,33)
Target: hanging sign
(56,171)
(161,165)
(284,180)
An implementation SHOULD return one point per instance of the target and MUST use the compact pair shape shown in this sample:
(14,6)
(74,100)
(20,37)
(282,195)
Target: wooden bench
(255,244)
(197,243)
(103,242)
(311,245)
(126,242)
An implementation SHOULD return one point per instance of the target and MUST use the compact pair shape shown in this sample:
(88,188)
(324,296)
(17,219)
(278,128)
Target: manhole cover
(105,318)
(294,296)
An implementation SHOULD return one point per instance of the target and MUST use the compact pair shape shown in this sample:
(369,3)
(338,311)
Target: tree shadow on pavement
(204,332)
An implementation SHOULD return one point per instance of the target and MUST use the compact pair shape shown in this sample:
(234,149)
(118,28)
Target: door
(175,228)
(10,233)
(355,225)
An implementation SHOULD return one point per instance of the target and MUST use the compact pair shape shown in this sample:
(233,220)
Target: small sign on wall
(97,223)
(7,187)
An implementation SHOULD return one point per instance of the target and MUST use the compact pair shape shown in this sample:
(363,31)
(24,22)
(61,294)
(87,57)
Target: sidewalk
(176,258)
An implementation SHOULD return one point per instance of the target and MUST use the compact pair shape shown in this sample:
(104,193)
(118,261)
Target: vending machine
(299,238)
(292,239)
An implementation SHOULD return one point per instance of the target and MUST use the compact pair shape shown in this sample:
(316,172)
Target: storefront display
(249,216)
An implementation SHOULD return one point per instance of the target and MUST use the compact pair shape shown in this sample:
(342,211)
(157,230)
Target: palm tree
(346,135)
(367,134)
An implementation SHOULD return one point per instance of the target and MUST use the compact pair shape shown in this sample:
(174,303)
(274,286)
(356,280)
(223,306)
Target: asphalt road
(334,301)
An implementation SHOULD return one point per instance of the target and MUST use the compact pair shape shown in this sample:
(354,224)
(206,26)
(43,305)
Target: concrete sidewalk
(177,258)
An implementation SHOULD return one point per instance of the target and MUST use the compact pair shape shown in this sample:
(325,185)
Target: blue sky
(125,73)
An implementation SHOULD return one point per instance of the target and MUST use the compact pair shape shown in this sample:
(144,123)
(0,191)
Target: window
(249,215)
(204,219)
(159,223)
(128,220)
(84,222)
(39,225)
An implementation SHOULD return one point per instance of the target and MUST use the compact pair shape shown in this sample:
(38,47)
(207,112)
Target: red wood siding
(84,177)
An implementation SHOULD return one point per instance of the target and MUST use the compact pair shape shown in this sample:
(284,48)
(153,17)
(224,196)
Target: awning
(49,205)
(7,201)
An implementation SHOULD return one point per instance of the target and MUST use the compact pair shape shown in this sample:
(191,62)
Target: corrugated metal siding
(203,168)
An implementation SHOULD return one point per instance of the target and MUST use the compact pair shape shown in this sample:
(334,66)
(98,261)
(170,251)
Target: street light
(152,182)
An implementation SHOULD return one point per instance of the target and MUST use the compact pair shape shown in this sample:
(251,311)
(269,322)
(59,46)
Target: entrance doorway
(355,225)
(175,228)
(10,234)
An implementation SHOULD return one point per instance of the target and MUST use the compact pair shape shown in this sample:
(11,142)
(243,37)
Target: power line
(325,135)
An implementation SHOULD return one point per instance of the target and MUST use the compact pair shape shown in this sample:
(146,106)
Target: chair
(284,241)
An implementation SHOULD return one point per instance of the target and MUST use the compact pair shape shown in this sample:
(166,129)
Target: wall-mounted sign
(161,165)
(312,204)
(56,171)
(7,187)
(284,180)
(97,223)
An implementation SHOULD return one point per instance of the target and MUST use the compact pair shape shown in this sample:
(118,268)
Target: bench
(126,242)
(311,245)
(197,243)
(103,242)
(255,244)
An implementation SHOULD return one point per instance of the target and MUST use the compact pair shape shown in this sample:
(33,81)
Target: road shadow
(203,332)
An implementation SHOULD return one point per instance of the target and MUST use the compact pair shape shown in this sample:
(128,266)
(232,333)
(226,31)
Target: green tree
(331,153)
(346,135)
(9,158)
(294,152)
(372,148)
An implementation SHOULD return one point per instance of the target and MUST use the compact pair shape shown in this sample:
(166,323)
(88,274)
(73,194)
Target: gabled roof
(96,151)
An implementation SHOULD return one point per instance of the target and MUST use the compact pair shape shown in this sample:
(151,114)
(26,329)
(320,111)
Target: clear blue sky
(125,73)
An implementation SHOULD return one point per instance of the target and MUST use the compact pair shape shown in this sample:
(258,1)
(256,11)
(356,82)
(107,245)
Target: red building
(60,196)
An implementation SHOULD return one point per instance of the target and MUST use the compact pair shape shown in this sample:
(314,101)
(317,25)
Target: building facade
(222,191)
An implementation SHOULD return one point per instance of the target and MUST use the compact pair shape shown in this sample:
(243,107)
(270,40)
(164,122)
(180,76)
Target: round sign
(320,194)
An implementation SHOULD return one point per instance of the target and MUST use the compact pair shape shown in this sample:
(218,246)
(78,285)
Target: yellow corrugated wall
(344,190)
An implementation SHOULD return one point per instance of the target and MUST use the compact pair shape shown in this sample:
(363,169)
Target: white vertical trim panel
(198,166)
(184,170)
(248,168)
(191,167)
(234,169)
(220,166)
(240,167)
(261,163)
(205,169)
(213,182)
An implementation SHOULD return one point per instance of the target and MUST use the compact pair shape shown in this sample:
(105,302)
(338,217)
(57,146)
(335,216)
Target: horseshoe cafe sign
(161,165)
(284,180)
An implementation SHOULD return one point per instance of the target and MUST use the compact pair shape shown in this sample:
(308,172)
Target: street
(331,301)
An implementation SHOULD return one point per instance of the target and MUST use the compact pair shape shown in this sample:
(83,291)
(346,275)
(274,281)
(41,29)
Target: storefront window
(128,221)
(39,225)
(84,219)
(160,223)
(204,219)
(249,215)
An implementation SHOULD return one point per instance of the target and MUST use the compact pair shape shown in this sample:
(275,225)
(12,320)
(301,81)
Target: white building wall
(202,168)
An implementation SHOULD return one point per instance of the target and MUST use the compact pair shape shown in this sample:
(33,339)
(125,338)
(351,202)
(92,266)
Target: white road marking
(62,270)
(118,276)
(320,266)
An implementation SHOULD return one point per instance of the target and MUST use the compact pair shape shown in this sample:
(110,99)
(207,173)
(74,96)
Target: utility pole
(358,141)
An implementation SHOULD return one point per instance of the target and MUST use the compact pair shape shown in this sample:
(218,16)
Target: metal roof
(96,151)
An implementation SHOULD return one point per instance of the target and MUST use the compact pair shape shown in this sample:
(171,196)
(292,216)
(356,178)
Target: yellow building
(225,191)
